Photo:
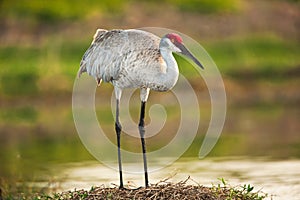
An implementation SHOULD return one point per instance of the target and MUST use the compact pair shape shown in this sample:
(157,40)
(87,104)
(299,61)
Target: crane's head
(173,42)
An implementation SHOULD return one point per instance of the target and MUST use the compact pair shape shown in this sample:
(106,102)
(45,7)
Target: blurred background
(255,44)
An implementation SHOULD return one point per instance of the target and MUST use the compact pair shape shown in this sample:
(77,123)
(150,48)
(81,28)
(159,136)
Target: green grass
(208,6)
(262,53)
(19,114)
(239,192)
(54,11)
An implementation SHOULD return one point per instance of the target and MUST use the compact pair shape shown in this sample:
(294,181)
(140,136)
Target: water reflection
(279,178)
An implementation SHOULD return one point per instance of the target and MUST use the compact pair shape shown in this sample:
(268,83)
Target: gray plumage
(126,58)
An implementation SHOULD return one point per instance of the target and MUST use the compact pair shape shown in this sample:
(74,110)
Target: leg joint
(118,127)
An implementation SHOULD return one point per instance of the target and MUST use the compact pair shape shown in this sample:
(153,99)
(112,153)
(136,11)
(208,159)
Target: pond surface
(280,178)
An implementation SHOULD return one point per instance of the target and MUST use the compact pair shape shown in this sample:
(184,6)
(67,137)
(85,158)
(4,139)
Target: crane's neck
(170,74)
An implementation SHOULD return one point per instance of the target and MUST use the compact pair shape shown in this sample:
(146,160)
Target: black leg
(142,134)
(118,129)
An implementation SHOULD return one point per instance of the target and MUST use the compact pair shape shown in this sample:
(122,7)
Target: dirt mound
(165,190)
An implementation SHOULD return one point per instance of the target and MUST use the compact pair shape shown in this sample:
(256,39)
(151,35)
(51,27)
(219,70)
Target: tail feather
(98,35)
(81,70)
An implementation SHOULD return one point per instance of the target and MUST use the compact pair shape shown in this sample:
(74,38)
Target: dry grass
(165,190)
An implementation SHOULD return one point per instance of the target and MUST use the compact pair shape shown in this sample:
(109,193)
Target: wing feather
(111,51)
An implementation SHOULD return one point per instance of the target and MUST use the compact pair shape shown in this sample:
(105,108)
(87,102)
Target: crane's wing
(87,55)
(111,50)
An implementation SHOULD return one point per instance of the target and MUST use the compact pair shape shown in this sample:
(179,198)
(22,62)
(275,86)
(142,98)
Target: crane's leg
(118,129)
(142,134)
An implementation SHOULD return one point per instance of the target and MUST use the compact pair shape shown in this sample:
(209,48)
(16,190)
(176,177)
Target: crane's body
(130,59)
(134,59)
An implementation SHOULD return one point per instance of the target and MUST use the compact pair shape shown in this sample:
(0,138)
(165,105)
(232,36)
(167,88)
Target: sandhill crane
(134,59)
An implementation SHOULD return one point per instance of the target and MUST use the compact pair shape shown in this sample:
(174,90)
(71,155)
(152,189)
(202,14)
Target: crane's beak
(187,53)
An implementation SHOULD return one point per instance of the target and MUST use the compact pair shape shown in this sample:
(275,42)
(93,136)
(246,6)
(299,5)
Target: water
(280,178)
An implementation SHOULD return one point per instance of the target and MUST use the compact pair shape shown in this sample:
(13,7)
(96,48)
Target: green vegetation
(261,53)
(208,6)
(53,11)
(240,192)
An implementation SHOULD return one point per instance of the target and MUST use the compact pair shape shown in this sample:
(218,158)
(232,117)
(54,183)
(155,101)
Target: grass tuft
(166,190)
